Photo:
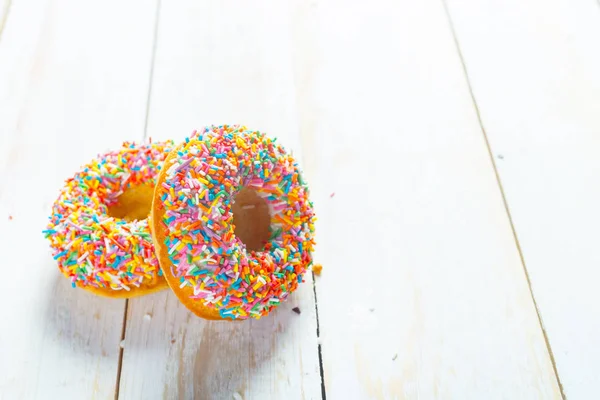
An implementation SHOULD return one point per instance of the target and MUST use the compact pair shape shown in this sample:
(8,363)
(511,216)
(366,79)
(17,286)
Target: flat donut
(99,228)
(207,183)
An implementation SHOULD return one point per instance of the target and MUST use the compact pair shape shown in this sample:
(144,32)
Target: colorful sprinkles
(211,168)
(92,248)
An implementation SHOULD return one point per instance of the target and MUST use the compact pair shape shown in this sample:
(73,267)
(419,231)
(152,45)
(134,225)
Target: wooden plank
(534,68)
(73,83)
(422,294)
(222,62)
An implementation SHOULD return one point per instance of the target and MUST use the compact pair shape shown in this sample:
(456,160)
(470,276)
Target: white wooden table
(453,151)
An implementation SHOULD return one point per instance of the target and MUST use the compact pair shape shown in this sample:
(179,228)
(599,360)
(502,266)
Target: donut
(99,229)
(232,223)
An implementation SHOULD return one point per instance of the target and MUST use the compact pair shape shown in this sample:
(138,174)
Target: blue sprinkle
(62,253)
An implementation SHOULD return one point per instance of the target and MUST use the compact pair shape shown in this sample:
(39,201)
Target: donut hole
(252,219)
(133,204)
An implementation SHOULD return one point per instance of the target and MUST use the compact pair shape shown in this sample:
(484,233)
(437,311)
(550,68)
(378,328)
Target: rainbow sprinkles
(205,254)
(94,250)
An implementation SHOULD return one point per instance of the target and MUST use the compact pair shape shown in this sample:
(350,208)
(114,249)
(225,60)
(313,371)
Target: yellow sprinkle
(240,143)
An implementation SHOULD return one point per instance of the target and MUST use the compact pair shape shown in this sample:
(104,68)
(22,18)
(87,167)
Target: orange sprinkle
(317,268)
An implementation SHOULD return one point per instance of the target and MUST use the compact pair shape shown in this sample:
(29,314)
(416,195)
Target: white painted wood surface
(73,83)
(535,72)
(222,62)
(423,295)
(372,99)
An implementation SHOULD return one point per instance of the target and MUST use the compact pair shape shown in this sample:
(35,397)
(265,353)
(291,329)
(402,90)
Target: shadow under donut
(201,359)
(82,323)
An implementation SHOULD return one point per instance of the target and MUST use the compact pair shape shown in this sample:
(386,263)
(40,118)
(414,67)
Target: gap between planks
(144,137)
(501,188)
(323,392)
(152,62)
(120,363)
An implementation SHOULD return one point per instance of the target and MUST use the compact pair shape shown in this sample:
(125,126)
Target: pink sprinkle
(332,194)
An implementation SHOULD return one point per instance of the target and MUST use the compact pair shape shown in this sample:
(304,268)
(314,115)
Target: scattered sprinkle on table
(296,310)
(317,268)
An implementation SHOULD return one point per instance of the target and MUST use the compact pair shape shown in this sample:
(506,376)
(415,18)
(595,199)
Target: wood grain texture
(534,69)
(69,89)
(222,62)
(423,294)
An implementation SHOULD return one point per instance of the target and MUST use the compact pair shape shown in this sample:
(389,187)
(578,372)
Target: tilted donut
(99,228)
(199,248)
